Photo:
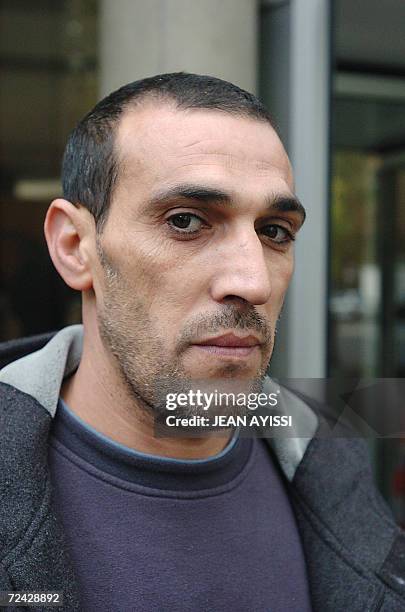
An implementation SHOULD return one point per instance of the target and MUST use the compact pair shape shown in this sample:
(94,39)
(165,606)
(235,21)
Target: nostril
(234,298)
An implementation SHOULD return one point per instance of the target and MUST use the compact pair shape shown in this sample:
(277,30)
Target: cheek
(140,260)
(286,271)
(280,277)
(166,278)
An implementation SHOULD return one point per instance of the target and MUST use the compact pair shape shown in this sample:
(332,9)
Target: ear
(69,231)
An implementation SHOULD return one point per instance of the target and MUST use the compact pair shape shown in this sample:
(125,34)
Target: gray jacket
(355,553)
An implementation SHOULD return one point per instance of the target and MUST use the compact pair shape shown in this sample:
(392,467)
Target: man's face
(197,247)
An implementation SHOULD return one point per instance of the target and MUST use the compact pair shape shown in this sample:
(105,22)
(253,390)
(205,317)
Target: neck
(99,396)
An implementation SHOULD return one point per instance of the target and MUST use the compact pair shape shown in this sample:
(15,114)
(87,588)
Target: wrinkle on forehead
(229,160)
(164,136)
(235,149)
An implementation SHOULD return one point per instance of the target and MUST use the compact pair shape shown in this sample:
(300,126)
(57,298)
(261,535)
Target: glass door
(367,266)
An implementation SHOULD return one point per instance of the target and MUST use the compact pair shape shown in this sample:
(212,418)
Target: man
(177,225)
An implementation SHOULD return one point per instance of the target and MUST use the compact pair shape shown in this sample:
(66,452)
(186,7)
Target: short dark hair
(90,168)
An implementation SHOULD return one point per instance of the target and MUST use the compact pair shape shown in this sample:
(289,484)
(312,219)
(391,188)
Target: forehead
(160,143)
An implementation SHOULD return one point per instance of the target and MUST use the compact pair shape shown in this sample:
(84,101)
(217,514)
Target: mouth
(230,345)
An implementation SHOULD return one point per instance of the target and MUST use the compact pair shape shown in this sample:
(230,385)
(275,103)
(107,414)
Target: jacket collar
(40,374)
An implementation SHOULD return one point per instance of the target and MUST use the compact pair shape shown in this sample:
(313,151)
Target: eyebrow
(217,197)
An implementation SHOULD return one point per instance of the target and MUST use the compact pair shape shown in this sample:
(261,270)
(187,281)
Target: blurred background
(333,75)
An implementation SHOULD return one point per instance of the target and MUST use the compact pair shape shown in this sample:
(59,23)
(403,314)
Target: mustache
(231,318)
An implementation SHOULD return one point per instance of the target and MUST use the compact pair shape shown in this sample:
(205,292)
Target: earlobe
(66,233)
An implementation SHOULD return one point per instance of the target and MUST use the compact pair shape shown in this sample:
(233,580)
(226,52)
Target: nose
(241,271)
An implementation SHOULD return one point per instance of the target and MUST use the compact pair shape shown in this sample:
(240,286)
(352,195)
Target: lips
(230,341)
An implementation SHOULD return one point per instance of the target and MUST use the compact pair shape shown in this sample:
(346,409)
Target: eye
(277,233)
(185,223)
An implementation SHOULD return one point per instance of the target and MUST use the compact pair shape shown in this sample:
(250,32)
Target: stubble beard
(128,333)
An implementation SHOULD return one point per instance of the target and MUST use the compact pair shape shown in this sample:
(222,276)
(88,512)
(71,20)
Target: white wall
(140,38)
